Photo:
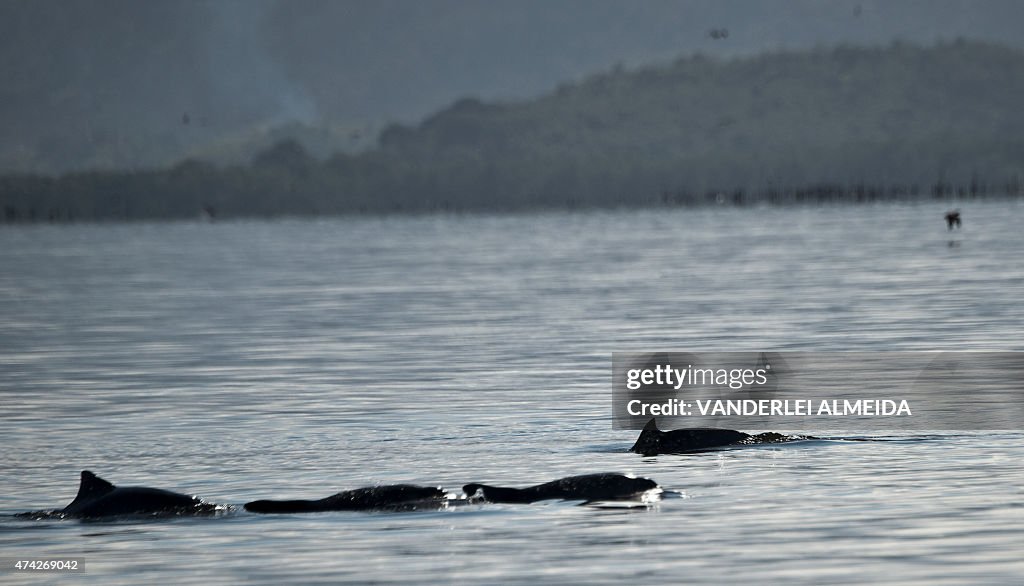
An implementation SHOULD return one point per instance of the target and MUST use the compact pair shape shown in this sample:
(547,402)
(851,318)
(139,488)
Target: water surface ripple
(282,359)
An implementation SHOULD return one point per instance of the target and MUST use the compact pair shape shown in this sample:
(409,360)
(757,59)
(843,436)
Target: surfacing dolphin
(653,441)
(589,487)
(98,498)
(394,497)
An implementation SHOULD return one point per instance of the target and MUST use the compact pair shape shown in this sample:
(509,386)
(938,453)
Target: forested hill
(900,113)
(843,122)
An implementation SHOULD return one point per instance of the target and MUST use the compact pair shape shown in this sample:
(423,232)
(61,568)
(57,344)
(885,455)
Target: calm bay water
(295,359)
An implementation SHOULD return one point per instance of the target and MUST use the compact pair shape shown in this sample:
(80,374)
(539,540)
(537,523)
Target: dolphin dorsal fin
(651,426)
(91,487)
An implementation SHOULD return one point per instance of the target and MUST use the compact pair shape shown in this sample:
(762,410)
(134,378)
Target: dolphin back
(99,498)
(382,496)
(595,487)
(589,487)
(361,499)
(140,500)
(653,441)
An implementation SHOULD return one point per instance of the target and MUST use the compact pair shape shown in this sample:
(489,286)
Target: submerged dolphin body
(99,498)
(589,487)
(388,497)
(653,441)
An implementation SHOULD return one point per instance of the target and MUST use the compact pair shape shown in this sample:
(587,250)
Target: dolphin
(588,487)
(653,441)
(99,498)
(388,497)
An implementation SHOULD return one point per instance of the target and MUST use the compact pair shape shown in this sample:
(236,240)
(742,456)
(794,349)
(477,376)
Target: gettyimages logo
(815,391)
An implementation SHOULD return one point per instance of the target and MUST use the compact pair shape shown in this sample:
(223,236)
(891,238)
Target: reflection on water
(296,359)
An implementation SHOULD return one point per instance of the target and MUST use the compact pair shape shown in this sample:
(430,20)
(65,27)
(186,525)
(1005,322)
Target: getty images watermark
(805,391)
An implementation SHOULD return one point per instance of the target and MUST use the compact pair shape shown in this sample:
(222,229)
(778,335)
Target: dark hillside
(902,113)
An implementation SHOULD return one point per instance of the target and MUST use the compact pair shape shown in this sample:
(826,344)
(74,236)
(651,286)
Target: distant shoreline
(822,194)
